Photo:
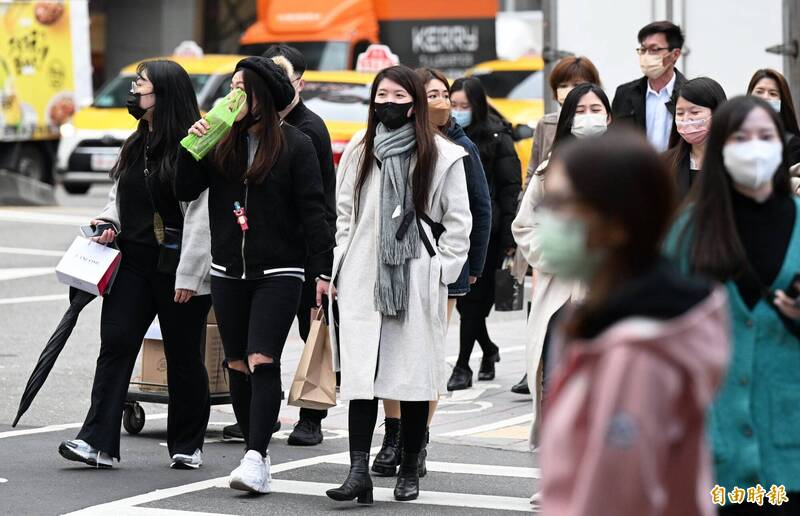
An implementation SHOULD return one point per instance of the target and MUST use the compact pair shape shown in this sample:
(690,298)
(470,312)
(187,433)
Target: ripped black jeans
(255,316)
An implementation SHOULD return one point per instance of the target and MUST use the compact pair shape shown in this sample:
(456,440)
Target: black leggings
(472,329)
(363,414)
(255,316)
(138,294)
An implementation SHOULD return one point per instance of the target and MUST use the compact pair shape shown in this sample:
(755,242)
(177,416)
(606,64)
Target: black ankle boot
(486,372)
(358,483)
(423,454)
(387,460)
(522,386)
(460,379)
(407,487)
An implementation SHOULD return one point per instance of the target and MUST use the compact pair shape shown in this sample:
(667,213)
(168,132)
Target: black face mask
(392,114)
(132,102)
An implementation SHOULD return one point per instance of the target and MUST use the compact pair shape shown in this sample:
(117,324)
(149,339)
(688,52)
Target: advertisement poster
(37,80)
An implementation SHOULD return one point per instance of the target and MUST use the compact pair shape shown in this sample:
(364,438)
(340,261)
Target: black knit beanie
(274,76)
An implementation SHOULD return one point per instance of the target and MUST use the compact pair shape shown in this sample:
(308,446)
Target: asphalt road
(479,461)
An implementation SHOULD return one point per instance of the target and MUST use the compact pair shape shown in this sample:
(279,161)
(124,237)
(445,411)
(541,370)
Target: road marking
(33,217)
(491,426)
(128,504)
(385,494)
(58,428)
(480,406)
(150,511)
(13,273)
(470,469)
(31,252)
(32,299)
(3,480)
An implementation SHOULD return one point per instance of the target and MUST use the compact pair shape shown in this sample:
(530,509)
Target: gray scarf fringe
(394,150)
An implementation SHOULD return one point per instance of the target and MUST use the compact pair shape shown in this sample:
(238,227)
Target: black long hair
(476,95)
(175,109)
(788,115)
(567,116)
(715,248)
(705,92)
(621,178)
(424,130)
(231,153)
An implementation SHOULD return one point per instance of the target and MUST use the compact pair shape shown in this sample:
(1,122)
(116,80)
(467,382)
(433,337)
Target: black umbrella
(78,299)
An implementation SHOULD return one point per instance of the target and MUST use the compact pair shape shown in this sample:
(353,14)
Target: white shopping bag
(88,266)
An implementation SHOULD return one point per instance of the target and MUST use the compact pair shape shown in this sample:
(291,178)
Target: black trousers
(255,316)
(308,301)
(140,293)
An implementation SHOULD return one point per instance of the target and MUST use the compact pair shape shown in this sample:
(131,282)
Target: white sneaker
(184,461)
(253,474)
(81,451)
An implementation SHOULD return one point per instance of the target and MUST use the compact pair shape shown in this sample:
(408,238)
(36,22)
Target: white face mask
(752,164)
(588,125)
(775,103)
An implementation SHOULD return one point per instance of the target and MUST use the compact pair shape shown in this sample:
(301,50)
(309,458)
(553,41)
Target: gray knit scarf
(394,150)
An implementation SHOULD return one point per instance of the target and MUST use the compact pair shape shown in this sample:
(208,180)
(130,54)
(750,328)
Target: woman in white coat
(403,224)
(586,112)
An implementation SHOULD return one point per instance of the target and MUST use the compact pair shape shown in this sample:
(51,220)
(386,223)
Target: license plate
(103,162)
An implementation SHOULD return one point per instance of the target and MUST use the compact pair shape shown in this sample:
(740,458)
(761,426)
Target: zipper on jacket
(244,234)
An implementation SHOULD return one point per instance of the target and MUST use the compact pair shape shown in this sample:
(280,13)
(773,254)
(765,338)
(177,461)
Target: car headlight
(67,130)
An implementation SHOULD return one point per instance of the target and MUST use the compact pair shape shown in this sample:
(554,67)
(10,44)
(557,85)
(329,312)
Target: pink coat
(623,429)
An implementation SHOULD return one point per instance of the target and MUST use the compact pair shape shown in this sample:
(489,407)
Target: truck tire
(77,188)
(33,164)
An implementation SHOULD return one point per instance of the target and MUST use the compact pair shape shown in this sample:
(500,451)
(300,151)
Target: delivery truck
(452,36)
(45,76)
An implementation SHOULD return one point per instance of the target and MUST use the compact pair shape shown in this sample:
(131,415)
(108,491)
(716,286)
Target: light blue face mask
(775,103)
(462,118)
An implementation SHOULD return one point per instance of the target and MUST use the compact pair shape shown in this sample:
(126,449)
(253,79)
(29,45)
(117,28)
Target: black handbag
(509,293)
(169,239)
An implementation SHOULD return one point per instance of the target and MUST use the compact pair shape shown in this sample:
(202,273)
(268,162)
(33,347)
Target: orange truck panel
(313,20)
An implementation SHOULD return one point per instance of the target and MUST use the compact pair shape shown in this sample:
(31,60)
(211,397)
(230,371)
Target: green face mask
(562,242)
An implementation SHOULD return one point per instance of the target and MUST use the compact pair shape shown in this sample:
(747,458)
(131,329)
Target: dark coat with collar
(630,102)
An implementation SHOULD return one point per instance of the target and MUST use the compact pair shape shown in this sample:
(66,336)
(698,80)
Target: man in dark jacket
(308,430)
(649,102)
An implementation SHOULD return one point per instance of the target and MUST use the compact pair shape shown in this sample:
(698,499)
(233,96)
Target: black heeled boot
(407,487)
(423,454)
(486,372)
(358,483)
(387,460)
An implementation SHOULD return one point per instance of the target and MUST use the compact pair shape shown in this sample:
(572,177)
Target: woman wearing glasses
(152,279)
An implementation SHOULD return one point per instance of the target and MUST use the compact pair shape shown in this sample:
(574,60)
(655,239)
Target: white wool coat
(549,293)
(399,358)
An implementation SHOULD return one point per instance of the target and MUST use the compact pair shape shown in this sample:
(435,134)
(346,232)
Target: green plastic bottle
(220,119)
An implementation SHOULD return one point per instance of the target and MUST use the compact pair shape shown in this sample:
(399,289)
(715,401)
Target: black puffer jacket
(503,174)
(286,213)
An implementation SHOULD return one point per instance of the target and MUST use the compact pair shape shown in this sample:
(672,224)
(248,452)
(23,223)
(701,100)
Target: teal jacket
(754,422)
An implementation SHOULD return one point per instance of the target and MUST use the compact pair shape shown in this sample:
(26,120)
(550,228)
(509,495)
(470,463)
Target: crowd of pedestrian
(661,231)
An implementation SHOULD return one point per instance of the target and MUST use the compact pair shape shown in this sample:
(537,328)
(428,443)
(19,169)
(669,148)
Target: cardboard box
(154,366)
(154,363)
(215,354)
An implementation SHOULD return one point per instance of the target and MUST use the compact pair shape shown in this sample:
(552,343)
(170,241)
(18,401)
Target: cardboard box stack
(154,363)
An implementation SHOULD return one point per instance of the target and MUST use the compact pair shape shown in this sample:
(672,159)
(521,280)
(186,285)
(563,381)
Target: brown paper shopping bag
(314,384)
